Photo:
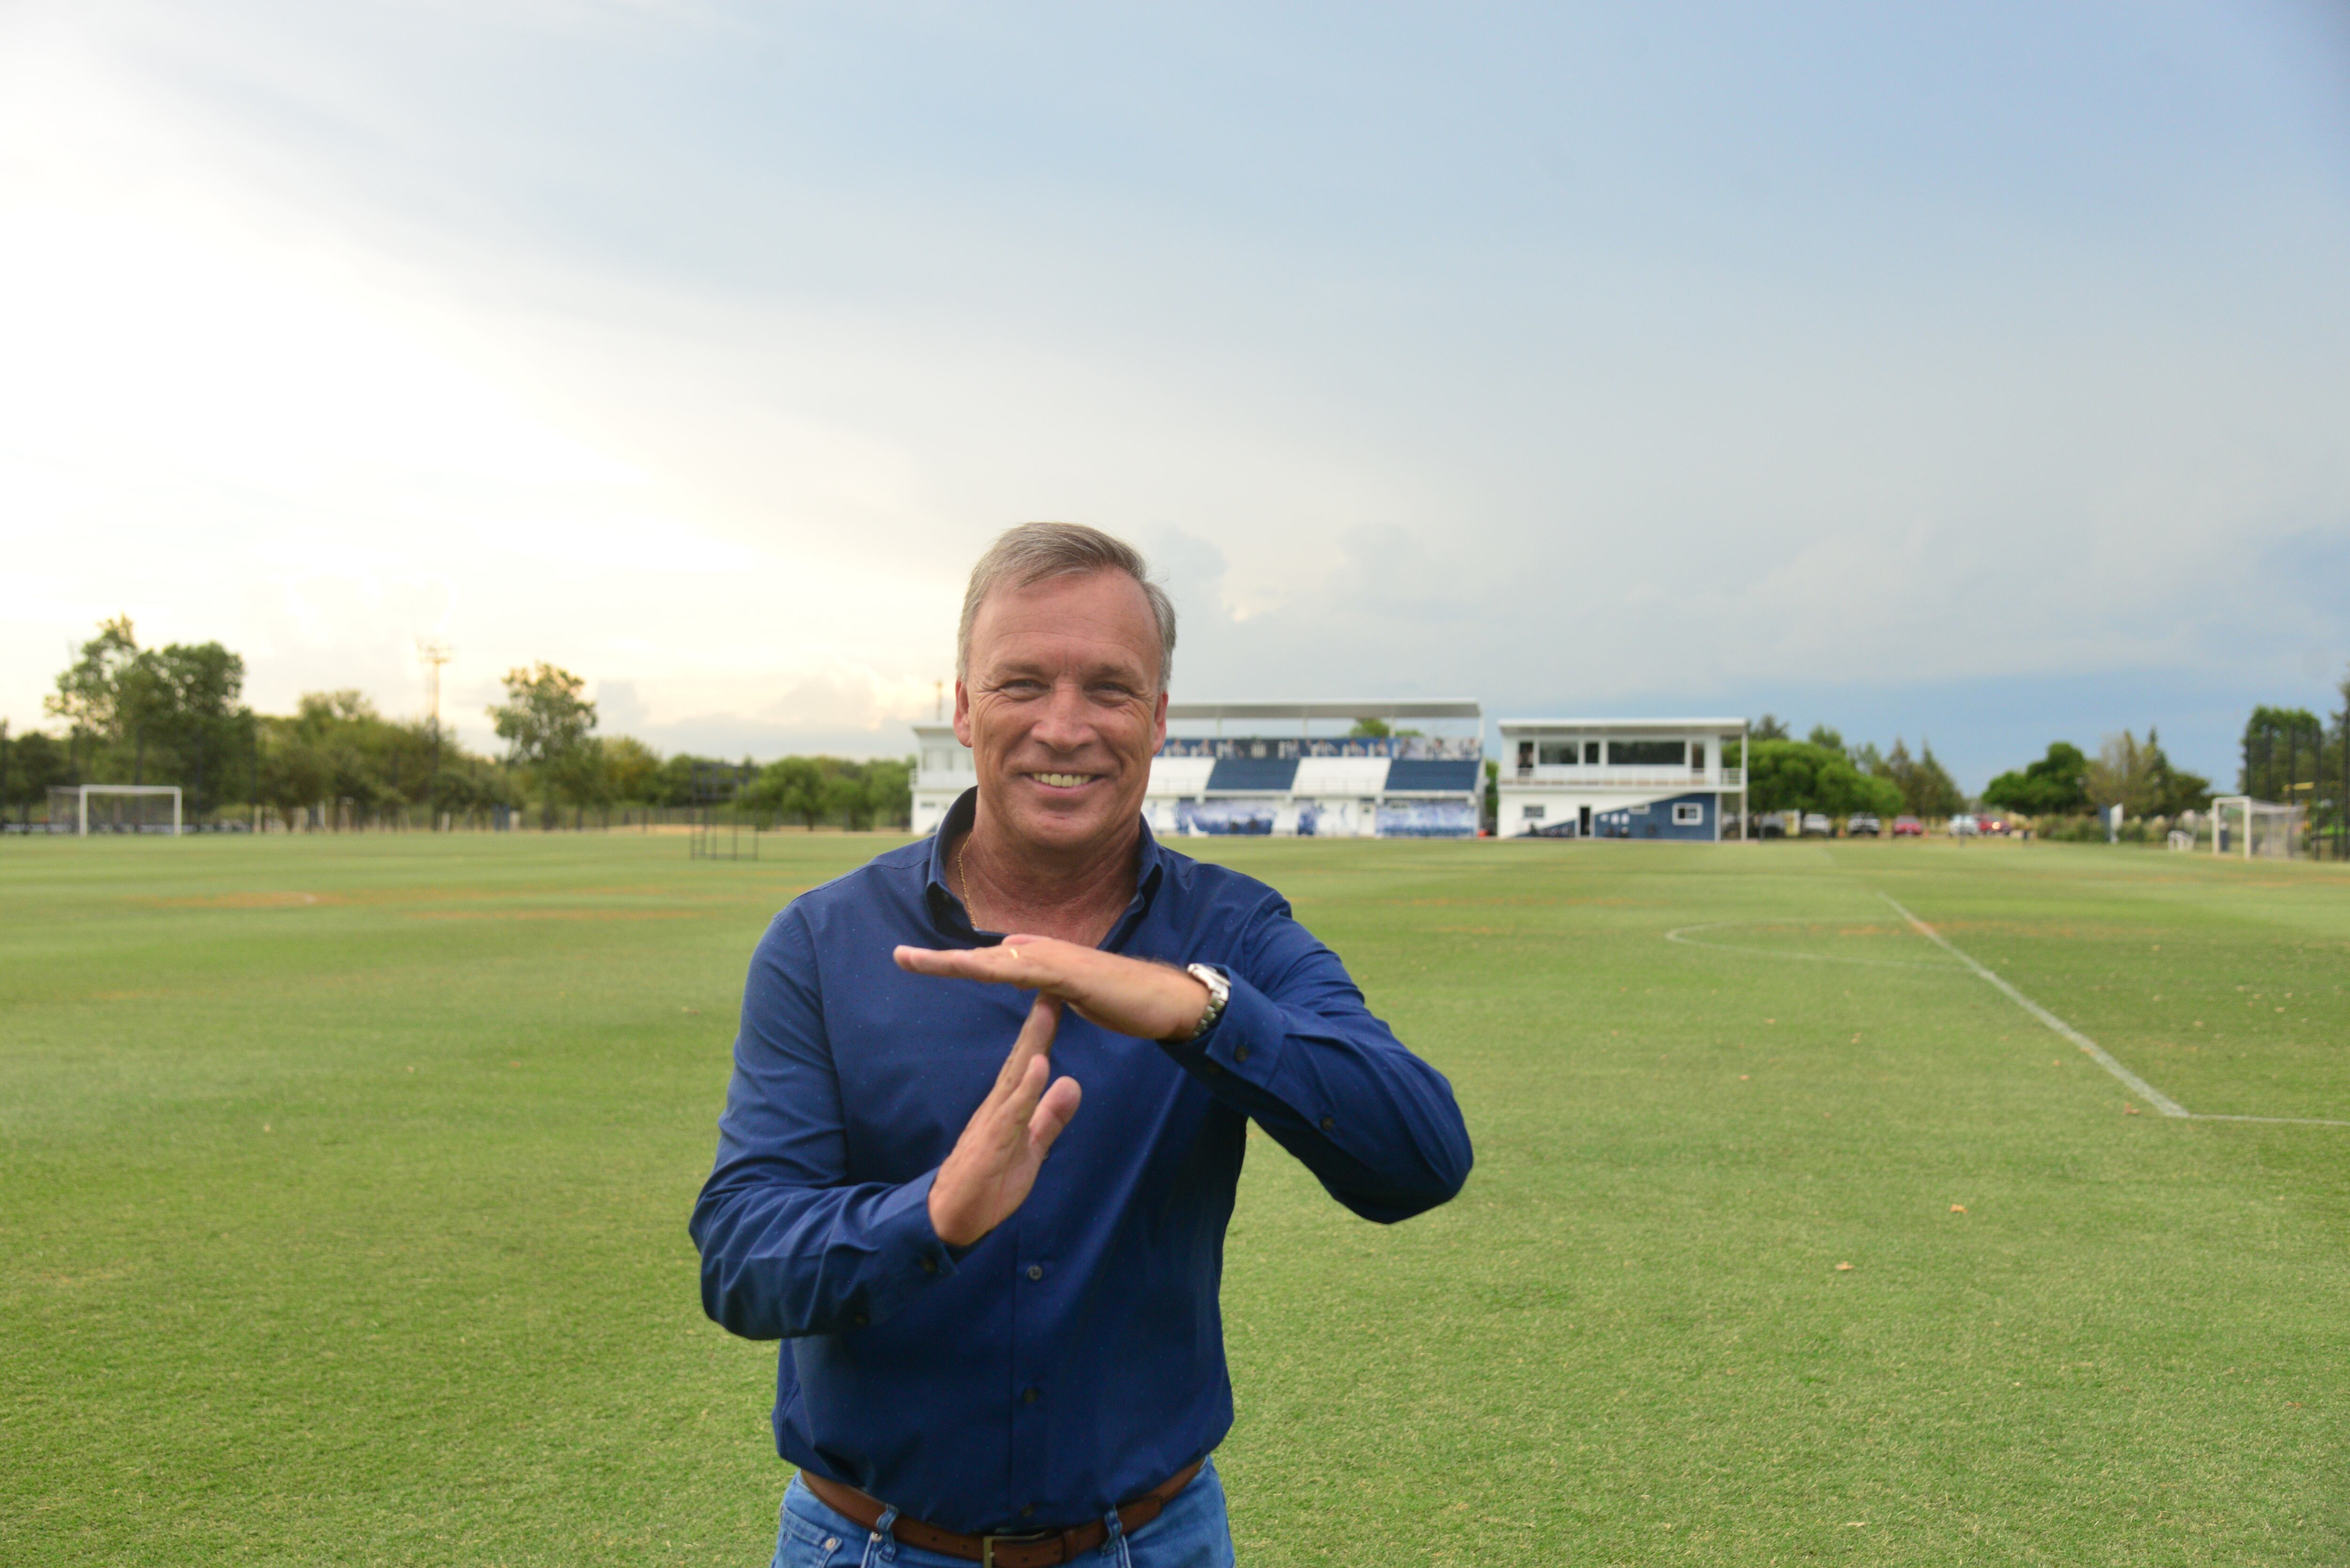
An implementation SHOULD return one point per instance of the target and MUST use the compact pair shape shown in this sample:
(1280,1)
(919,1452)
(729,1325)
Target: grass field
(343,1186)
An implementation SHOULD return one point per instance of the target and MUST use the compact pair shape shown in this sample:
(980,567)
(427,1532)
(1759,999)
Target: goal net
(114,808)
(2262,829)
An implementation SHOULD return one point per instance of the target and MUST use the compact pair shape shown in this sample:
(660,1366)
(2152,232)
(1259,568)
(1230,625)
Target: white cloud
(699,353)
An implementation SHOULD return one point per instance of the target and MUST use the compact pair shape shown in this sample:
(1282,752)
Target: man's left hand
(1147,1001)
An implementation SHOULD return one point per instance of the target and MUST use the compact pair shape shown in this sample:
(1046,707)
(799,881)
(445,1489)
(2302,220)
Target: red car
(1908,827)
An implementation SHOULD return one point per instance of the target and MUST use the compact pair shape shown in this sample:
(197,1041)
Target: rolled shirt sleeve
(1299,1052)
(790,1243)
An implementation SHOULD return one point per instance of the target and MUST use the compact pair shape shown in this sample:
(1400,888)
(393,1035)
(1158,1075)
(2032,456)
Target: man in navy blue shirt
(988,1357)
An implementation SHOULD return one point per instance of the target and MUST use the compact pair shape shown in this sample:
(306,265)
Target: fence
(350,816)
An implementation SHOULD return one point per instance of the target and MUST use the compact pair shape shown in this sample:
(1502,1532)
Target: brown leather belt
(1036,1549)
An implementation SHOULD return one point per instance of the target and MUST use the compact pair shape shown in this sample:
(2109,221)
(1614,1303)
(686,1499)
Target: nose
(1064,725)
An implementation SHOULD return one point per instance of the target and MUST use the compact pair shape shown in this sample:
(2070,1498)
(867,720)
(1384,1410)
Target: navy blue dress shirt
(1074,1357)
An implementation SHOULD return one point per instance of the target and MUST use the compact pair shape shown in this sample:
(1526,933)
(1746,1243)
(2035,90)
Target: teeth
(1061,781)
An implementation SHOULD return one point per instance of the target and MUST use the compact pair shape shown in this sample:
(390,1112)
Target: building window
(1533,813)
(1590,754)
(1558,754)
(1641,809)
(1688,813)
(1647,754)
(1696,756)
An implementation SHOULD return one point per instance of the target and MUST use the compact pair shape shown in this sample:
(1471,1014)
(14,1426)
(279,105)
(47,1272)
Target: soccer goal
(84,809)
(2249,827)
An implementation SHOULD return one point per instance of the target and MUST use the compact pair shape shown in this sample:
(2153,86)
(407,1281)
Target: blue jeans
(1190,1532)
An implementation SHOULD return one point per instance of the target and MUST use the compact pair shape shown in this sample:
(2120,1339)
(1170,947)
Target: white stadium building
(1259,768)
(1619,778)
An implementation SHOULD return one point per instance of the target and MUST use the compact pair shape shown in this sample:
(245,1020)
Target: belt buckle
(1030,1538)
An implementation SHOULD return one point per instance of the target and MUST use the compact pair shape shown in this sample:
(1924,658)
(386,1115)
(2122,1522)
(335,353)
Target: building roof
(1368,708)
(1621,726)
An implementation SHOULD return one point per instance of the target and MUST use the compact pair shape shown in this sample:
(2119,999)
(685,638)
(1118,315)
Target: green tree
(110,691)
(798,786)
(2171,790)
(2282,752)
(30,765)
(2136,776)
(545,725)
(844,799)
(1799,775)
(1766,728)
(335,748)
(889,790)
(156,715)
(2055,785)
(1926,786)
(200,721)
(631,769)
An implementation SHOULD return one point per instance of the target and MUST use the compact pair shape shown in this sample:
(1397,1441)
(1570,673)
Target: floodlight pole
(435,653)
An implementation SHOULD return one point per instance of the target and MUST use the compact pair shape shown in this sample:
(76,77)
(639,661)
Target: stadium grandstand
(1288,768)
(1619,778)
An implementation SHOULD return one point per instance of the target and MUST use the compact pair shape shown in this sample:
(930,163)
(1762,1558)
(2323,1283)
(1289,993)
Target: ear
(1159,724)
(962,712)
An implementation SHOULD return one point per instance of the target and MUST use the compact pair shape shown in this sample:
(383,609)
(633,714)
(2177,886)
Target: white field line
(2095,1053)
(1682,934)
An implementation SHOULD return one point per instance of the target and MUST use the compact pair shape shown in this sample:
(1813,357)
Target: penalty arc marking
(2094,1052)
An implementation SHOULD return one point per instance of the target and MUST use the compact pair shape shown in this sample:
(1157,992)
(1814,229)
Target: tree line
(121,713)
(2289,755)
(1820,773)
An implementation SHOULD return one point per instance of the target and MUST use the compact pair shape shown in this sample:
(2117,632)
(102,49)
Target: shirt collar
(1151,870)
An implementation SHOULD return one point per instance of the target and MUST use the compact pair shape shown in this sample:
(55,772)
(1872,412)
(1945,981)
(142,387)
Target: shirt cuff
(908,1250)
(1245,1043)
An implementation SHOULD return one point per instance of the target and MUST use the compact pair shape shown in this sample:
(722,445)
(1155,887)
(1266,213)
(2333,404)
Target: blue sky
(1974,373)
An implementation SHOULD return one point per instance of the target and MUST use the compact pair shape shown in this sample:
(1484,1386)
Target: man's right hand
(995,1162)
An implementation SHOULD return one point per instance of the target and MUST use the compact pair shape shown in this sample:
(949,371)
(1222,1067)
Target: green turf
(343,1186)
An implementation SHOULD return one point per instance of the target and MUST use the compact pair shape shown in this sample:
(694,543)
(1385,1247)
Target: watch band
(1219,992)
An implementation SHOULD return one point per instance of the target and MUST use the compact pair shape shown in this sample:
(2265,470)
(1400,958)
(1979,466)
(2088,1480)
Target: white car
(1965,826)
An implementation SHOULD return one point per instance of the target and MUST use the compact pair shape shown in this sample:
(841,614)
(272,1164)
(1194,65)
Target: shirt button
(1031,1396)
(1240,1052)
(930,1265)
(860,1320)
(1328,1124)
(1027,1511)
(1036,1270)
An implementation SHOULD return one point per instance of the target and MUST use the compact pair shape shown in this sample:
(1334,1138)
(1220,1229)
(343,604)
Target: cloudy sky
(1979,372)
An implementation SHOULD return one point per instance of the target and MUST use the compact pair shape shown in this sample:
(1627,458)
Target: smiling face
(1061,710)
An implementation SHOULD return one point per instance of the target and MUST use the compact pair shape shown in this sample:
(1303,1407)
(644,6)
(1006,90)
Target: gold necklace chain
(962,870)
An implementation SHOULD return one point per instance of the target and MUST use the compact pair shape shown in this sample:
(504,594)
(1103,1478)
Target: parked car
(1817,825)
(1908,827)
(1771,824)
(1861,827)
(1991,825)
(1964,826)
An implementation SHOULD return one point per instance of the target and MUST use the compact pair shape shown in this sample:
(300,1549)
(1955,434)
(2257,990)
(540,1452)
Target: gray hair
(1032,553)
